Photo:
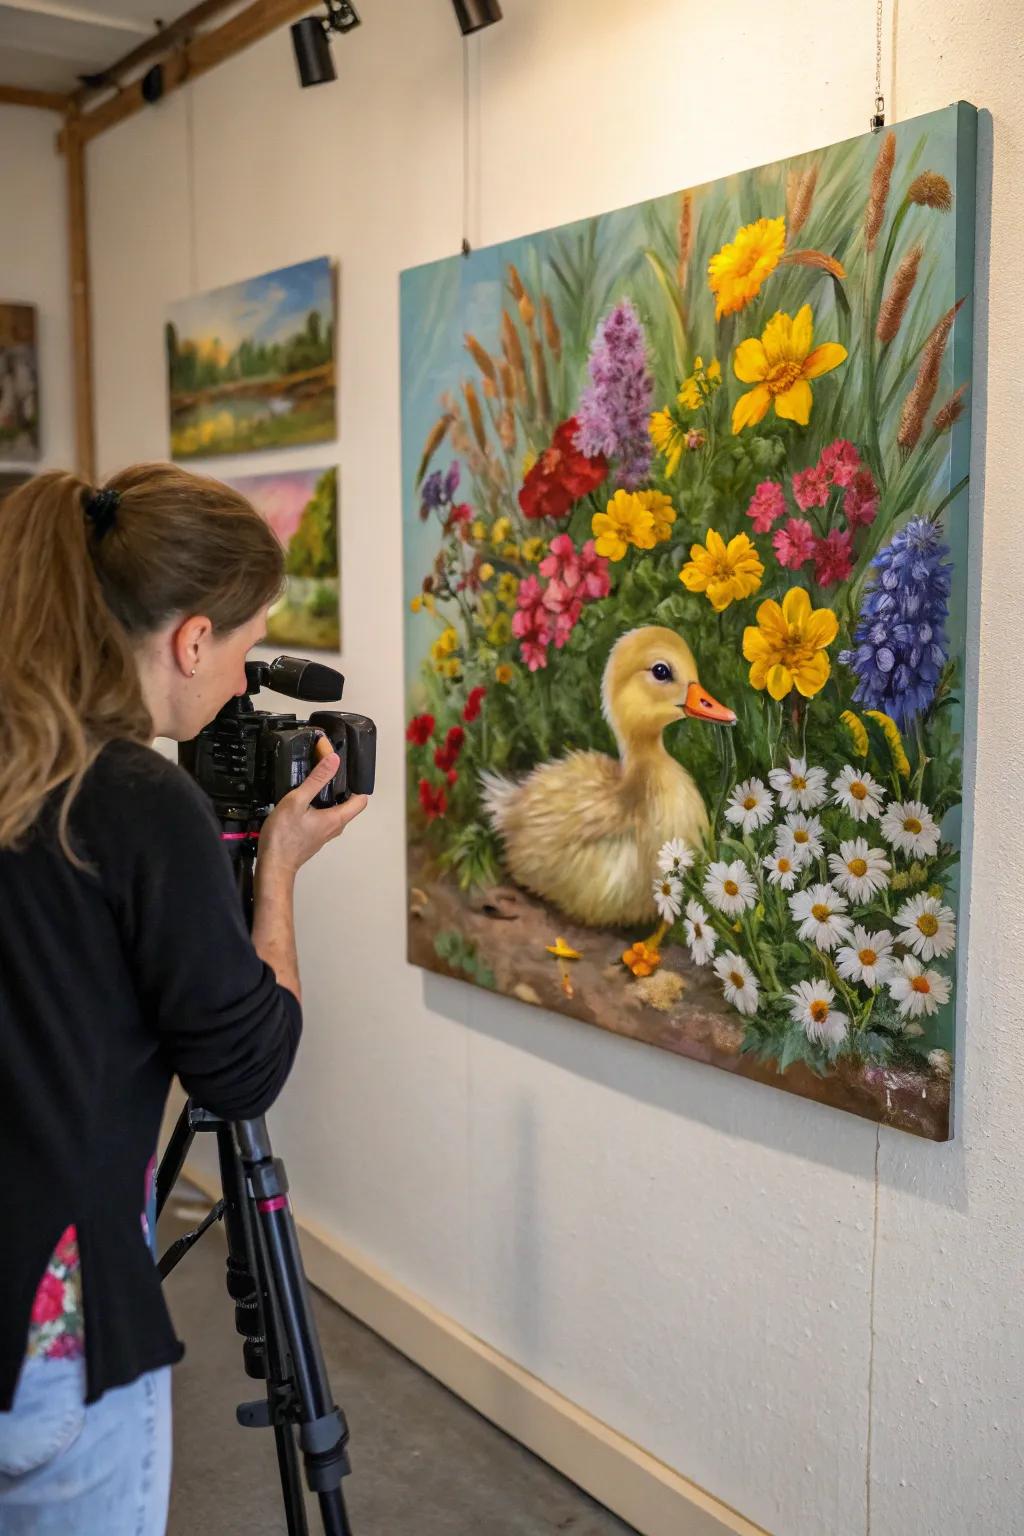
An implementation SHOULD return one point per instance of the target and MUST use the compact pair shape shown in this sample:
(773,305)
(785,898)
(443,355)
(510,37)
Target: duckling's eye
(662,672)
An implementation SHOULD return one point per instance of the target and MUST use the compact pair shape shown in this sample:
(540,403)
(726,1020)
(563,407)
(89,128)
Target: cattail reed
(951,411)
(552,334)
(526,310)
(878,196)
(482,358)
(507,430)
(515,282)
(685,234)
(799,199)
(435,437)
(510,343)
(930,190)
(540,379)
(508,381)
(894,305)
(490,389)
(819,259)
(476,416)
(918,402)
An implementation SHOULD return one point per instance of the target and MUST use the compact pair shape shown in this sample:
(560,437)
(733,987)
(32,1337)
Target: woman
(125,614)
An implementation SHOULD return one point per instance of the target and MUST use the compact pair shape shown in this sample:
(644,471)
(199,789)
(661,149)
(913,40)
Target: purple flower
(900,640)
(615,410)
(433,492)
(452,478)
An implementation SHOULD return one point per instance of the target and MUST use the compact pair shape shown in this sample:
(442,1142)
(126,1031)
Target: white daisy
(867,957)
(738,982)
(915,990)
(668,897)
(859,871)
(858,793)
(798,787)
(675,857)
(729,887)
(928,928)
(909,826)
(782,868)
(800,838)
(820,912)
(941,1063)
(810,1006)
(700,935)
(749,806)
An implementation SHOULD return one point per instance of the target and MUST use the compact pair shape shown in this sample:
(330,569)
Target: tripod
(267,1283)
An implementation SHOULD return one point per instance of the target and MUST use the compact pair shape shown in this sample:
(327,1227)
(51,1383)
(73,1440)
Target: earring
(193,671)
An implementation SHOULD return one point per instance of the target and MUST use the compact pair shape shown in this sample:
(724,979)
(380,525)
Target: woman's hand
(295,831)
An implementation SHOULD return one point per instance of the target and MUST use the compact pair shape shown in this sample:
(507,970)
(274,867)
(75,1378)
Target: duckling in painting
(583,831)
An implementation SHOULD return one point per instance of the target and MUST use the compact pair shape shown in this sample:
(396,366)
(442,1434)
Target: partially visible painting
(251,366)
(19,384)
(301,505)
(685,534)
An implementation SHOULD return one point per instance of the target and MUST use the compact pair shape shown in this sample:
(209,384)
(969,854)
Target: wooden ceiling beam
(163,41)
(46,101)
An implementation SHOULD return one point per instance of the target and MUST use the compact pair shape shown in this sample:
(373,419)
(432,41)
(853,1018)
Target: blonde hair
(76,598)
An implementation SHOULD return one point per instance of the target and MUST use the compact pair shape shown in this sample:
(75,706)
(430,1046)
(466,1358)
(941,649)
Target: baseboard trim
(641,1490)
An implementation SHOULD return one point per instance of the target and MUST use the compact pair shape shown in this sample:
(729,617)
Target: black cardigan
(112,979)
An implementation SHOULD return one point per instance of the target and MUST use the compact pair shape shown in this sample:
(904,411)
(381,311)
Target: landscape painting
(251,366)
(685,540)
(19,384)
(301,506)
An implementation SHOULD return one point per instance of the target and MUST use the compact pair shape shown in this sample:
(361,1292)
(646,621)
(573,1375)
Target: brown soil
(511,929)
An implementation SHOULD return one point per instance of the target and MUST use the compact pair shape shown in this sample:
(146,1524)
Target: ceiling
(46,44)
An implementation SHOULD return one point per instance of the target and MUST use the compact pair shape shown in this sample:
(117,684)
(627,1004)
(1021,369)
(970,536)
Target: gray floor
(422,1461)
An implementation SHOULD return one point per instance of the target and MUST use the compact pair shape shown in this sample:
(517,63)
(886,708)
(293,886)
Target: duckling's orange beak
(702,706)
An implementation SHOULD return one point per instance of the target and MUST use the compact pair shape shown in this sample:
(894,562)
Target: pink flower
(833,558)
(596,582)
(860,503)
(793,543)
(766,505)
(66,1346)
(810,488)
(840,461)
(66,1251)
(531,624)
(49,1302)
(562,561)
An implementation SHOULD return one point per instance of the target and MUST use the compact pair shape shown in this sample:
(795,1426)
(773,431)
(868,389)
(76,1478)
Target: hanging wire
(466,247)
(878,116)
(190,172)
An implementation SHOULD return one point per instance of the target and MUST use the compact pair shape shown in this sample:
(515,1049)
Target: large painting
(251,366)
(19,384)
(301,506)
(685,505)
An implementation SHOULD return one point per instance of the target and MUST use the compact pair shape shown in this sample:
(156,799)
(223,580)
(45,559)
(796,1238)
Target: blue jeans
(101,1470)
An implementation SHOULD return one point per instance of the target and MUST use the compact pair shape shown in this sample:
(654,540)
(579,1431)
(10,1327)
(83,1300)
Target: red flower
(767,505)
(456,736)
(561,475)
(473,702)
(66,1346)
(810,488)
(452,776)
(420,729)
(463,513)
(860,504)
(840,461)
(49,1302)
(434,801)
(66,1251)
(833,558)
(793,543)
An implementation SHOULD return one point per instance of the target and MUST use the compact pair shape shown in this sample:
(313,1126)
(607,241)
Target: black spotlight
(311,41)
(474,14)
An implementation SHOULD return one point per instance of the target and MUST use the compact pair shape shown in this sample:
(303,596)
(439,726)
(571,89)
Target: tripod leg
(174,1156)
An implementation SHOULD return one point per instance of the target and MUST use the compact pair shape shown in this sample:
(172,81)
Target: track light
(474,14)
(311,41)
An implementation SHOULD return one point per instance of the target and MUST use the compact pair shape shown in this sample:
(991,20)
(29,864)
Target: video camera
(247,759)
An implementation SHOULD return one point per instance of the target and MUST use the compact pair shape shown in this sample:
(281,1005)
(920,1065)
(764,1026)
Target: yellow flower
(661,509)
(529,460)
(504,672)
(624,521)
(669,439)
(423,601)
(508,586)
(859,736)
(726,572)
(487,607)
(533,549)
(452,668)
(486,571)
(780,367)
(701,384)
(500,531)
(510,551)
(446,642)
(641,959)
(786,650)
(891,731)
(736,272)
(479,530)
(563,951)
(500,631)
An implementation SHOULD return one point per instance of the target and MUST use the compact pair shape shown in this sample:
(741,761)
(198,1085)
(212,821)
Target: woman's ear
(188,643)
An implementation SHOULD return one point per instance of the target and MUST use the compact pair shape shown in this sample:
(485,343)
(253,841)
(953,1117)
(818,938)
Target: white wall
(815,1321)
(34,262)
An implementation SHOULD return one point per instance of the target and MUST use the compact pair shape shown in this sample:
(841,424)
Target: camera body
(247,759)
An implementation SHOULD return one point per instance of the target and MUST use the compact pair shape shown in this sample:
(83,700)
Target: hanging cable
(466,247)
(878,116)
(190,174)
